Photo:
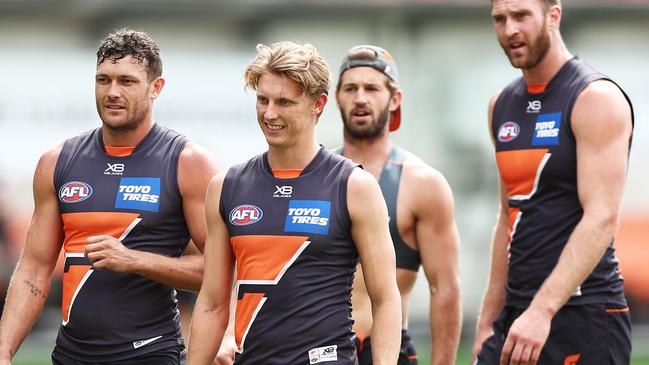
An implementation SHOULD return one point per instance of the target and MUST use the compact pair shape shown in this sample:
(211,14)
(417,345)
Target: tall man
(419,200)
(122,200)
(562,134)
(295,219)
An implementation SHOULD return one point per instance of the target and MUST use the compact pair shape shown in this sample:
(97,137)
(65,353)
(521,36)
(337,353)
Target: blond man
(295,220)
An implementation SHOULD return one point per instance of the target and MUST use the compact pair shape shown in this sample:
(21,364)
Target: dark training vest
(536,155)
(110,316)
(407,257)
(295,262)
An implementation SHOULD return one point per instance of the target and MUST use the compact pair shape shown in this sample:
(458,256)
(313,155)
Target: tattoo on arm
(36,291)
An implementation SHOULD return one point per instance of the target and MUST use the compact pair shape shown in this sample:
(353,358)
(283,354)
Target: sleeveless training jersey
(110,316)
(295,262)
(407,257)
(536,156)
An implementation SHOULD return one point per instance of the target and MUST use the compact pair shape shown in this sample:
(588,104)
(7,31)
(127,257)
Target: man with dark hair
(123,201)
(419,201)
(562,134)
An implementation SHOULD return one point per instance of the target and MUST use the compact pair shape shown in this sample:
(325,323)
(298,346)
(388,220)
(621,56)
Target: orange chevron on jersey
(572,359)
(73,281)
(247,308)
(261,260)
(77,228)
(521,170)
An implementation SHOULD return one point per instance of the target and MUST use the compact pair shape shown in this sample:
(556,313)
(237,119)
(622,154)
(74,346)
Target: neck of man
(369,152)
(550,65)
(293,157)
(127,137)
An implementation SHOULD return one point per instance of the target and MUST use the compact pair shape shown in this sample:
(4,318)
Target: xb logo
(114,169)
(533,106)
(283,191)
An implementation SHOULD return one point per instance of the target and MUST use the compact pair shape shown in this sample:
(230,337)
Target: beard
(537,48)
(367,132)
(134,118)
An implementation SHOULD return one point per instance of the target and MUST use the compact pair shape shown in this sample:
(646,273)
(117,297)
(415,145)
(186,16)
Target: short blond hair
(549,3)
(301,62)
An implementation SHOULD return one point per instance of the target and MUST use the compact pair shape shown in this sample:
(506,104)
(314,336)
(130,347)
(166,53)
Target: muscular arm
(601,122)
(212,308)
(494,298)
(30,282)
(195,168)
(370,232)
(439,244)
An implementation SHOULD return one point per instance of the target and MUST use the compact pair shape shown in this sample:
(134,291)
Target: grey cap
(383,62)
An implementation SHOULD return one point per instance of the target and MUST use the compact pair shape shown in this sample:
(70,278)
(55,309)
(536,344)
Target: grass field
(38,354)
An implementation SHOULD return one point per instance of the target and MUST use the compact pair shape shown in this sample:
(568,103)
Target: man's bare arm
(30,282)
(212,309)
(439,247)
(370,232)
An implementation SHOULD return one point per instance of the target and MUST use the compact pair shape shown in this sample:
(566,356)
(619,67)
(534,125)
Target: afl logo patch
(508,131)
(74,192)
(246,214)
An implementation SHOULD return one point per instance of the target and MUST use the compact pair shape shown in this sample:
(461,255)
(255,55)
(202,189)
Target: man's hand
(526,338)
(226,351)
(107,252)
(480,337)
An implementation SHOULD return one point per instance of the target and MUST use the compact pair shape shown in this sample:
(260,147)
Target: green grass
(464,356)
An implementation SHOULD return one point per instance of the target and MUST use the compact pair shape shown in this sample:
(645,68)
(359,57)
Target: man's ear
(158,85)
(319,103)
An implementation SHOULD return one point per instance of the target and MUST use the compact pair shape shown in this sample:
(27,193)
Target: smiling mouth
(273,127)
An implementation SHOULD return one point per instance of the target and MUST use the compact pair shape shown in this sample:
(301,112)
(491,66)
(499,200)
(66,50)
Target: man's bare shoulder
(47,161)
(196,155)
(418,174)
(424,188)
(52,153)
(359,181)
(196,166)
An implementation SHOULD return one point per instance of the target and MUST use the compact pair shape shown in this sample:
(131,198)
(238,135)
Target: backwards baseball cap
(383,62)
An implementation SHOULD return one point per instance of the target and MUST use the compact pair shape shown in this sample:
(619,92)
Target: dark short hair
(126,42)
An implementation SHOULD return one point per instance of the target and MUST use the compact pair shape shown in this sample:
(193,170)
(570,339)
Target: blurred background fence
(450,65)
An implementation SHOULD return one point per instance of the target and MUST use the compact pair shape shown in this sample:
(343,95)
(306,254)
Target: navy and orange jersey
(110,316)
(295,261)
(406,257)
(537,161)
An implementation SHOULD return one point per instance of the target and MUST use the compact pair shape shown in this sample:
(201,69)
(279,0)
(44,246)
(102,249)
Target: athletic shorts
(407,353)
(579,334)
(166,356)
